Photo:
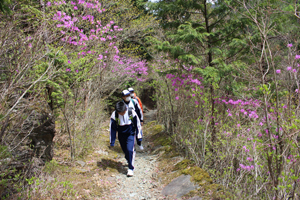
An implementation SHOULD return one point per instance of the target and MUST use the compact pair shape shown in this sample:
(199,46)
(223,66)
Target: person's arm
(113,130)
(138,110)
(140,103)
(137,124)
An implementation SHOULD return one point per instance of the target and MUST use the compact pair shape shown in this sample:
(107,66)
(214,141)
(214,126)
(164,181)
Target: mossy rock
(213,187)
(158,128)
(170,152)
(199,175)
(155,129)
(163,140)
(150,124)
(183,164)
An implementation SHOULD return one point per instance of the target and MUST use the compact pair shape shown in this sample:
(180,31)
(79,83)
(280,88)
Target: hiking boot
(141,147)
(129,173)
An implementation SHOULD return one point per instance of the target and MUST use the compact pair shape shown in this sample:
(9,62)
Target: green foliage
(51,166)
(204,40)
(4,152)
(235,49)
(4,6)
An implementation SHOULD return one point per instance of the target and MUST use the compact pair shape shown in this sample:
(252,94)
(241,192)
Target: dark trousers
(127,144)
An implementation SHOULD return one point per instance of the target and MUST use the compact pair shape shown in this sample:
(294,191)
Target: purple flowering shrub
(256,139)
(91,64)
(88,37)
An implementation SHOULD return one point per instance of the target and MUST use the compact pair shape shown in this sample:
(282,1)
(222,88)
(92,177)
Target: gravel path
(145,183)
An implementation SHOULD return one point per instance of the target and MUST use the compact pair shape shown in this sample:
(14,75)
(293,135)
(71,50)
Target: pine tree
(206,35)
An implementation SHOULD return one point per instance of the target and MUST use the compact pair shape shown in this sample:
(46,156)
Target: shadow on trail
(109,163)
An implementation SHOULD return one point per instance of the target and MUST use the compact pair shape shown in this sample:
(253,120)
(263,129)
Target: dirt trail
(102,173)
(145,183)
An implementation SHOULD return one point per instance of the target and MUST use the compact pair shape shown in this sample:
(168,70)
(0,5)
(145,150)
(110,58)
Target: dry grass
(63,178)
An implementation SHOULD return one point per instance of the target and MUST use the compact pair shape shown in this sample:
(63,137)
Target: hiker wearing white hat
(134,104)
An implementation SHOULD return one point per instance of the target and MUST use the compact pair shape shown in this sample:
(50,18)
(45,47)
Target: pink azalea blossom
(250,159)
(278,71)
(245,148)
(259,134)
(267,131)
(289,68)
(289,45)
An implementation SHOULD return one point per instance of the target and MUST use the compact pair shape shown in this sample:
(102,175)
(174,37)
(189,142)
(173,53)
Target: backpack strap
(130,113)
(130,116)
(133,102)
(117,118)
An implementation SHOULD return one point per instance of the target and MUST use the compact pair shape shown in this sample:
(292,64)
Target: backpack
(129,113)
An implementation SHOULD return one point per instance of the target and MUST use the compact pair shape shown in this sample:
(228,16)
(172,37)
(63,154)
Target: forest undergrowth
(222,75)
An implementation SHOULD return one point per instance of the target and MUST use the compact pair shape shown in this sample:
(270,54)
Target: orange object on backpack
(140,102)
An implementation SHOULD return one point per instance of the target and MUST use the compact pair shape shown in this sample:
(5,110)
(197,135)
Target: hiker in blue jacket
(126,122)
(134,104)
